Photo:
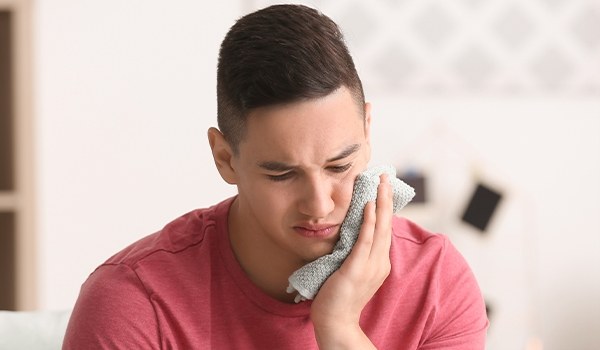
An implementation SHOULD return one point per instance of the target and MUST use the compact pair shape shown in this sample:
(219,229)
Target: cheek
(262,195)
(268,205)
(343,191)
(345,186)
(266,196)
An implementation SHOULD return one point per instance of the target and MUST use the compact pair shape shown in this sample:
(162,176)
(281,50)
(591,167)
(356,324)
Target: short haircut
(276,55)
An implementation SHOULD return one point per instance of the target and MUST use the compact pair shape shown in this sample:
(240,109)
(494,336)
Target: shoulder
(406,230)
(113,310)
(435,277)
(178,235)
(416,246)
(116,307)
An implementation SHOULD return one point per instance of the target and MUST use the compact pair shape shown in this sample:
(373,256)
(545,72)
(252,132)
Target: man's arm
(460,322)
(113,311)
(336,310)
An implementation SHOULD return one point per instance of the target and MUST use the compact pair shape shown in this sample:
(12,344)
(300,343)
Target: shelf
(8,262)
(17,221)
(8,201)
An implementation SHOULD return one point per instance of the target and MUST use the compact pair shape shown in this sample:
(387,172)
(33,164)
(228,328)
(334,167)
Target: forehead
(306,130)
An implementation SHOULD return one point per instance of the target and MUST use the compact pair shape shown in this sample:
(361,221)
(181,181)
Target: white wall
(125,94)
(537,263)
(125,91)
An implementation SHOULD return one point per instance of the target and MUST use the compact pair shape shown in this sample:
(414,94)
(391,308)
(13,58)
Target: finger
(362,248)
(383,226)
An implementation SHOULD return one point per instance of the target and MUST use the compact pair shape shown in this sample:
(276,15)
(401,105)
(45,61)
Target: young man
(293,135)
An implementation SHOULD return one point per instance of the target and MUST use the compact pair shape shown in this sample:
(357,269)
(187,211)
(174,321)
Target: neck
(263,262)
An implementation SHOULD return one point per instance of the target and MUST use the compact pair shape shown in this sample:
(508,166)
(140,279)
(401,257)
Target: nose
(317,198)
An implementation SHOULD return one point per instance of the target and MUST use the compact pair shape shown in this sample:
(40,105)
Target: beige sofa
(32,330)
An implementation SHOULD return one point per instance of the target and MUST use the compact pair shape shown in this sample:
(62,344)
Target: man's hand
(336,309)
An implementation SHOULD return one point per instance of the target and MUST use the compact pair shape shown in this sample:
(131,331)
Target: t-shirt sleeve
(459,321)
(113,311)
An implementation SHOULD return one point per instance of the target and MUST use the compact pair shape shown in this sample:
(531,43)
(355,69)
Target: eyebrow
(280,167)
(346,152)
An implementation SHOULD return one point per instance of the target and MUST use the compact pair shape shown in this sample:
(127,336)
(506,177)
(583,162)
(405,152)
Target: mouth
(316,231)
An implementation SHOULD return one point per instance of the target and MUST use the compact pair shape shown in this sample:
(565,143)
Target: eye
(340,168)
(281,177)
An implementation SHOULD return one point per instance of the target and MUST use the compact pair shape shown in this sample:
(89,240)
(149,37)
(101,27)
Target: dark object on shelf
(488,310)
(481,207)
(416,181)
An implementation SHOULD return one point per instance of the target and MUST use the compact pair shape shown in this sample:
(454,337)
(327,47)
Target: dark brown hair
(280,54)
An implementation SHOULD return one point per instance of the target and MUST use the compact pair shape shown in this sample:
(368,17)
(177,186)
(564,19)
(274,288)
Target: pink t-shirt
(182,288)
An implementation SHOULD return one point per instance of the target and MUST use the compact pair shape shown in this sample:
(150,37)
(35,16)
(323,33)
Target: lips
(316,231)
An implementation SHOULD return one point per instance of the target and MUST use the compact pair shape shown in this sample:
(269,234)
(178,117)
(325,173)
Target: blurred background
(490,108)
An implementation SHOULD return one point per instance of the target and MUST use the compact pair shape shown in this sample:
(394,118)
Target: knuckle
(387,269)
(384,270)
(370,222)
(367,240)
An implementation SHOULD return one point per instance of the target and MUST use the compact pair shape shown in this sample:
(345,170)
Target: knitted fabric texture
(308,279)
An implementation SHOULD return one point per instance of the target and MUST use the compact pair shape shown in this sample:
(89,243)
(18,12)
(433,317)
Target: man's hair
(277,55)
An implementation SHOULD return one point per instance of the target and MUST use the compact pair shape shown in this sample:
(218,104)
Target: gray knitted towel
(308,279)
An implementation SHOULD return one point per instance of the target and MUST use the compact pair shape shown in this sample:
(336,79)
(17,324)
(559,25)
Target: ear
(368,122)
(223,155)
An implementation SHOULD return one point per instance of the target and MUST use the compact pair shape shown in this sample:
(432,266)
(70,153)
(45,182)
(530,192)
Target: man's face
(295,173)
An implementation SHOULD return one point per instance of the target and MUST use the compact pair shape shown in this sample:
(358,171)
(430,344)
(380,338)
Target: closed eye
(281,177)
(340,168)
